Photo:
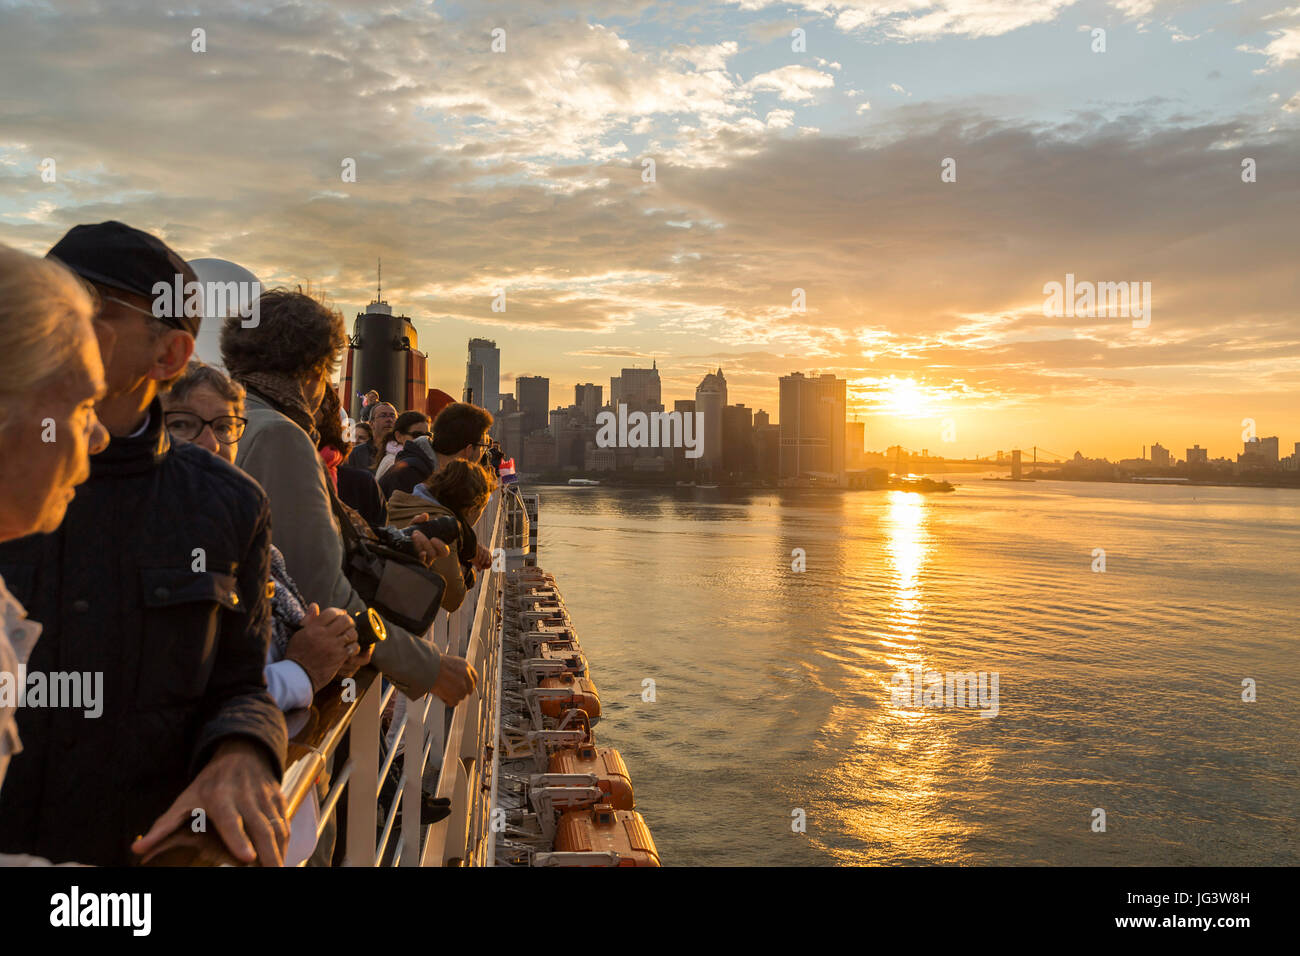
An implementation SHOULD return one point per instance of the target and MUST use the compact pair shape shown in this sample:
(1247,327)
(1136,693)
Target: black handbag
(394,583)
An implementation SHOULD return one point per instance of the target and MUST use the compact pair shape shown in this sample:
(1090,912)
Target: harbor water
(752,700)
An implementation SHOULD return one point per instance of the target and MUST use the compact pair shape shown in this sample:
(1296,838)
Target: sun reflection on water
(898,762)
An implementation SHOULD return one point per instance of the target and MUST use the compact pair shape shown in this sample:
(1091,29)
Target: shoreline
(550,481)
(1161,482)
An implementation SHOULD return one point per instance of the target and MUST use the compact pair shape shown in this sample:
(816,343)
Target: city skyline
(938,448)
(842,188)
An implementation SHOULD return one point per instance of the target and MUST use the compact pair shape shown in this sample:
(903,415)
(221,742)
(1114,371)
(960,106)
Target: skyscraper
(812,414)
(587,397)
(855,444)
(534,395)
(684,407)
(710,400)
(474,384)
(638,389)
(485,354)
(737,439)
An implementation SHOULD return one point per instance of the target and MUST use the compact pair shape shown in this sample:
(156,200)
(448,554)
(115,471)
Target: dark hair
(369,431)
(458,425)
(461,485)
(295,335)
(329,426)
(407,419)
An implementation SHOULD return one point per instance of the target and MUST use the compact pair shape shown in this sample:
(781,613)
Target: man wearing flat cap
(156,580)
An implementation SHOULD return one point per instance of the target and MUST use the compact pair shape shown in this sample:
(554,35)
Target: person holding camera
(309,646)
(285,363)
(460,490)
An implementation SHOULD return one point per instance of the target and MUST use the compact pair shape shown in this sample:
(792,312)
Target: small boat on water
(584,482)
(914,483)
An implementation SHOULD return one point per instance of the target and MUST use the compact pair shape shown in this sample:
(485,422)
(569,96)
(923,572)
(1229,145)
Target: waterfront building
(1259,453)
(710,400)
(587,398)
(767,451)
(533,392)
(737,440)
(484,354)
(812,420)
(855,444)
(638,389)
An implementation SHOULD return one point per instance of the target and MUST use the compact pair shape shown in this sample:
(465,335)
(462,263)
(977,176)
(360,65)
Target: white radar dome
(228,289)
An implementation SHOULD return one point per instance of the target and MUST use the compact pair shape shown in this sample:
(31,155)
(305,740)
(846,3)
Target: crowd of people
(177,531)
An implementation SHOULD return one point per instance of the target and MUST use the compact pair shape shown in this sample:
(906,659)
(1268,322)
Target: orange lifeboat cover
(606,763)
(602,829)
(582,696)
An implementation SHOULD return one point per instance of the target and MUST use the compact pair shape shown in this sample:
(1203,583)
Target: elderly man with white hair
(51,375)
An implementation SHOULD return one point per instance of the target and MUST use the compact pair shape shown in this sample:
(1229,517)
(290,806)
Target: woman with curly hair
(285,362)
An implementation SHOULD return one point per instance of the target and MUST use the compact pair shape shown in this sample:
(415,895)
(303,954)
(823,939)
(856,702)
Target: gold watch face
(377,624)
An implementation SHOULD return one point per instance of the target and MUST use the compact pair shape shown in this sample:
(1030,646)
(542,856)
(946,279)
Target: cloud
(523,171)
(793,83)
(926,19)
(610,351)
(1283,48)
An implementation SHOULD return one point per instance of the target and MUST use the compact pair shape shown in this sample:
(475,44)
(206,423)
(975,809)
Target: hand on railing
(323,644)
(320,729)
(456,680)
(238,795)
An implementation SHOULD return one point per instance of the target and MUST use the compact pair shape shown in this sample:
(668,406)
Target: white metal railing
(458,739)
(464,738)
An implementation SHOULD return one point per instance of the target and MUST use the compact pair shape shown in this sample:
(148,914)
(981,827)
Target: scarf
(287,606)
(332,456)
(284,394)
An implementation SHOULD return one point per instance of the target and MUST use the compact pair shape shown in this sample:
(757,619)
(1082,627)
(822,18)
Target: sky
(782,161)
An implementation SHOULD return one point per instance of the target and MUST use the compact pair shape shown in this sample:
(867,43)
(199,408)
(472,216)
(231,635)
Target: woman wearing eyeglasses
(308,646)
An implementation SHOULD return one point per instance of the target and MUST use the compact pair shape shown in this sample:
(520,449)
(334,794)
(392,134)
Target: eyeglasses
(165,320)
(187,426)
(423,434)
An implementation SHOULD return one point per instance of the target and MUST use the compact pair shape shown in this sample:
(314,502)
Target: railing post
(363,786)
(412,792)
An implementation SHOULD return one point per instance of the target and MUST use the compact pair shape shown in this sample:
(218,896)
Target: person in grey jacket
(284,362)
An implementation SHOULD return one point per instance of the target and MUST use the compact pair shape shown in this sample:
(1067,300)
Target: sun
(904,398)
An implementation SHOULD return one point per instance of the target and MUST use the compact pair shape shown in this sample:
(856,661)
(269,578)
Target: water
(1118,690)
